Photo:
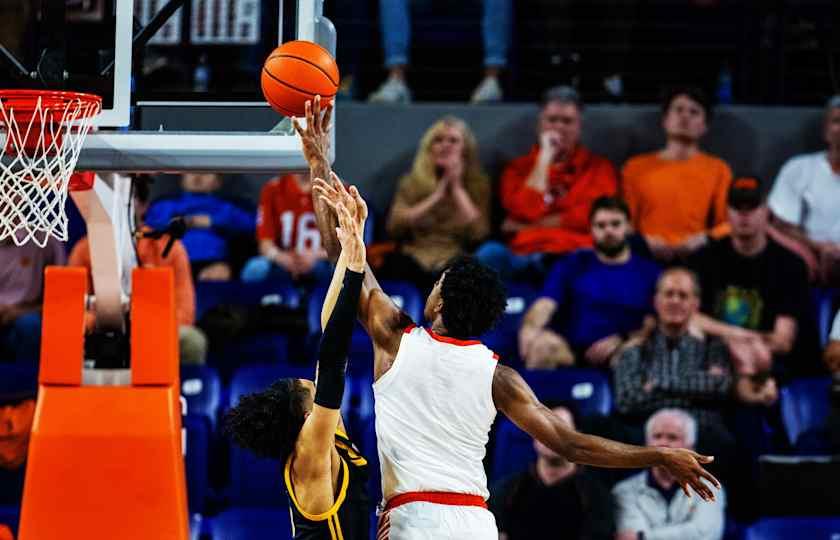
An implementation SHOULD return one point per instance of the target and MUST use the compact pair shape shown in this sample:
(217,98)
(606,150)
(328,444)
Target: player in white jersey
(437,392)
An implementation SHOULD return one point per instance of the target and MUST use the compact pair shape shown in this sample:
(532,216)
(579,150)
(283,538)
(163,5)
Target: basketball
(295,72)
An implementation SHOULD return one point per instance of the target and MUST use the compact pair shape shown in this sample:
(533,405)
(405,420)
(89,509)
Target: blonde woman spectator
(442,206)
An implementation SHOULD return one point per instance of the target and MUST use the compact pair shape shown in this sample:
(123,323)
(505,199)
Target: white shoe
(488,91)
(393,90)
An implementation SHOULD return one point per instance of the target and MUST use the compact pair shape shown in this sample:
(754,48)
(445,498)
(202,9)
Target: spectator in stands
(651,505)
(832,361)
(192,341)
(553,491)
(21,294)
(211,221)
(677,195)
(396,24)
(288,239)
(756,299)
(804,199)
(832,351)
(547,193)
(603,294)
(18,388)
(674,368)
(441,208)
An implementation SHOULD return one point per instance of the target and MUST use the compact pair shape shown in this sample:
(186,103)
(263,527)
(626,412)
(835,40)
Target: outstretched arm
(382,319)
(517,401)
(316,148)
(315,441)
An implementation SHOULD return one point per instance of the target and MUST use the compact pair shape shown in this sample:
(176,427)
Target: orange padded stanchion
(105,462)
(153,314)
(63,325)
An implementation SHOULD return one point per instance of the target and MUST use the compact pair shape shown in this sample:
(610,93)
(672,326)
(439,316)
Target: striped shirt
(674,373)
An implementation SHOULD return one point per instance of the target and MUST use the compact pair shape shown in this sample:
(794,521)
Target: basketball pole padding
(106,462)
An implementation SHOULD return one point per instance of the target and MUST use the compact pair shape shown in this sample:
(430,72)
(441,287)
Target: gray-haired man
(651,506)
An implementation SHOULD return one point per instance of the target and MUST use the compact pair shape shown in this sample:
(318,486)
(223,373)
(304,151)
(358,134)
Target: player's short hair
(692,92)
(609,202)
(474,298)
(832,103)
(268,423)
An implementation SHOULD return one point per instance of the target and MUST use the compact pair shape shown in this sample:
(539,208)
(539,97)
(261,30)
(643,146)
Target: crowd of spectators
(685,284)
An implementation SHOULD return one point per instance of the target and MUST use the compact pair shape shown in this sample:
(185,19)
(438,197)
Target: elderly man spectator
(593,298)
(677,195)
(21,295)
(547,193)
(674,368)
(553,491)
(804,199)
(756,299)
(651,505)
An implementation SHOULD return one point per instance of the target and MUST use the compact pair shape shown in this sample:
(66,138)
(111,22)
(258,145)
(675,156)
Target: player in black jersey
(298,422)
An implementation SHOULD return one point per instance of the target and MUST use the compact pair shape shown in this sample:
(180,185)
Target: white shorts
(431,521)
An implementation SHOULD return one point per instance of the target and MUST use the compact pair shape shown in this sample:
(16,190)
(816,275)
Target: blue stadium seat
(209,294)
(812,528)
(254,481)
(585,391)
(824,310)
(512,451)
(259,348)
(405,296)
(252,524)
(10,516)
(504,338)
(201,388)
(196,460)
(804,404)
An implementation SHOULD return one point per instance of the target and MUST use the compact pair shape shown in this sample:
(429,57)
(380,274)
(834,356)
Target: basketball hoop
(41,135)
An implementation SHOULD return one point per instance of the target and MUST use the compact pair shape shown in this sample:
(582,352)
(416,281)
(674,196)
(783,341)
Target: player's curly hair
(474,298)
(268,423)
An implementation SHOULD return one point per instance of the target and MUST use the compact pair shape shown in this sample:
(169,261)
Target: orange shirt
(573,185)
(287,216)
(150,252)
(676,199)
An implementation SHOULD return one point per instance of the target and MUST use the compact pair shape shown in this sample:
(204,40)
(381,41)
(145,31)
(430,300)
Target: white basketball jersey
(434,410)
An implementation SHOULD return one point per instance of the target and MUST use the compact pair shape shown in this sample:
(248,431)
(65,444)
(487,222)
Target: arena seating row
(270,345)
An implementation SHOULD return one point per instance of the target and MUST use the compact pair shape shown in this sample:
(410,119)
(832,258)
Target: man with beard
(592,299)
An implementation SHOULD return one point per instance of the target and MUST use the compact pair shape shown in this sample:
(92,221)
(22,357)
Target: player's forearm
(334,289)
(599,452)
(325,218)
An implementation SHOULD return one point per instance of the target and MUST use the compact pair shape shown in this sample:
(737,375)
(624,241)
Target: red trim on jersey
(409,328)
(495,357)
(436,497)
(452,341)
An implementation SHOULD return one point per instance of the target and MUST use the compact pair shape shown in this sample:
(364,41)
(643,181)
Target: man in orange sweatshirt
(677,195)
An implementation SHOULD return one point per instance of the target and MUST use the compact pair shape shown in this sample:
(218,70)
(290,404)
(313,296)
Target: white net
(40,140)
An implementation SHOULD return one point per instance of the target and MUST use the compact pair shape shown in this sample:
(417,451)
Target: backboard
(185,95)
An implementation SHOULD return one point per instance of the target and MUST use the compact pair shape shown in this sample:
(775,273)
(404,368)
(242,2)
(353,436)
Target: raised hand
(334,192)
(685,466)
(316,136)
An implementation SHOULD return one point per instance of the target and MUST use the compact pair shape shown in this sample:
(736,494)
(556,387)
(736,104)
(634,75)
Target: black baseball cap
(18,382)
(745,193)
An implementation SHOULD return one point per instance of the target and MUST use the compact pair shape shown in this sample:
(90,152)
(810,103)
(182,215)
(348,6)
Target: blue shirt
(226,219)
(596,300)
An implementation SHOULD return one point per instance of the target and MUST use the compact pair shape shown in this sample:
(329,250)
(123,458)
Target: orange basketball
(295,72)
